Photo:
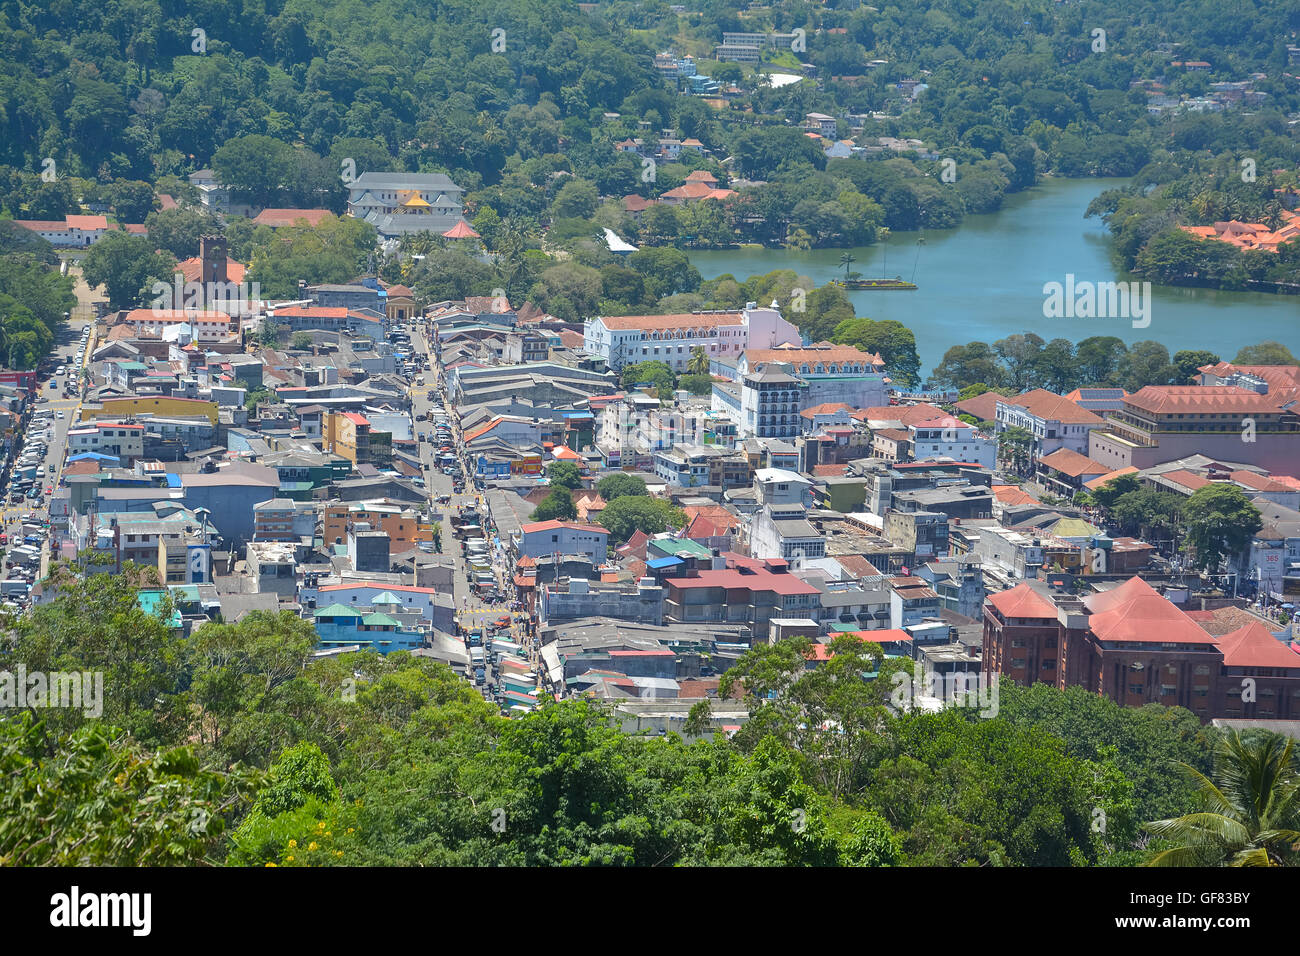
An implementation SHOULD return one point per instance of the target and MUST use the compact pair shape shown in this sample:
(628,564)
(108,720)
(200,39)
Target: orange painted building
(404,529)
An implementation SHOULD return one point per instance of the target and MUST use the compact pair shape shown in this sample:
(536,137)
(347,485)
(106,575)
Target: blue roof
(93,456)
(173,481)
(661,563)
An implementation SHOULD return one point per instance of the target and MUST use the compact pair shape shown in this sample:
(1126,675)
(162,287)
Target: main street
(472,613)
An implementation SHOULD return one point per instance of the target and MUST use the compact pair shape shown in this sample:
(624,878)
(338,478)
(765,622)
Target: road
(66,345)
(472,612)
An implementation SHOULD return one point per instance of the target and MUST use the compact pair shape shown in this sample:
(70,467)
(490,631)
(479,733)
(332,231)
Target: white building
(1055,421)
(208,325)
(833,373)
(400,203)
(123,440)
(779,487)
(783,531)
(770,401)
(71,231)
(542,538)
(629,339)
(949,437)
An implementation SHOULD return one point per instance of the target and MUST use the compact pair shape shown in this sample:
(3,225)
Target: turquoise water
(984,280)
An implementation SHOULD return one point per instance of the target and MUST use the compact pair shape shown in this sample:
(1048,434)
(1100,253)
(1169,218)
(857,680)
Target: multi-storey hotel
(629,339)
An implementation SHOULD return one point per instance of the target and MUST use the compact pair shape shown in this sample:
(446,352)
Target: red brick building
(1132,645)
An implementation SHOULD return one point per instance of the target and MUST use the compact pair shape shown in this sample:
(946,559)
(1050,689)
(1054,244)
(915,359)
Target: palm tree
(847,260)
(1250,813)
(699,361)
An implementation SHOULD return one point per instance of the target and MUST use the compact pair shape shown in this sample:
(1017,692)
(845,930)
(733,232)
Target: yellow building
(349,435)
(160,406)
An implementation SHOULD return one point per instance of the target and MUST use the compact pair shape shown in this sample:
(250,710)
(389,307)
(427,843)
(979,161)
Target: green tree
(124,265)
(1248,814)
(97,623)
(628,514)
(696,384)
(132,200)
(1266,353)
(95,797)
(1220,522)
(1187,361)
(1016,445)
(257,167)
(892,340)
(577,199)
(557,506)
(564,474)
(655,374)
(619,485)
(283,827)
(964,366)
(178,230)
(698,364)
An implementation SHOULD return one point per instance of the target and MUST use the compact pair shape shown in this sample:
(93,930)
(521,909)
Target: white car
(61,370)
(59,413)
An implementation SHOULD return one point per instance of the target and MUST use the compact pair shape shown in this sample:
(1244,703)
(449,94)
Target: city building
(400,203)
(672,339)
(1054,421)
(1162,423)
(1134,646)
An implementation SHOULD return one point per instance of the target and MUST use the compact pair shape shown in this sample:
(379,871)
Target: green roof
(387,597)
(681,547)
(1074,528)
(337,610)
(151,601)
(379,620)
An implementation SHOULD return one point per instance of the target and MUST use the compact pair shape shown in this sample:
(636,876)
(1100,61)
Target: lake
(984,280)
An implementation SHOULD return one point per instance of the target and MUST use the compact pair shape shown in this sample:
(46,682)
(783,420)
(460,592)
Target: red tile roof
(1052,407)
(1107,478)
(678,320)
(830,471)
(1188,479)
(1071,463)
(824,353)
(1258,482)
(984,407)
(1254,646)
(858,566)
(1024,602)
(1011,495)
(288,217)
(827,408)
(192,270)
(1136,612)
(1200,399)
(759,577)
(907,414)
(312,312)
(555,525)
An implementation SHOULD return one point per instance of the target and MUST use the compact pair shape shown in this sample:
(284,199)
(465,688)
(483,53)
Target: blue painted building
(340,626)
